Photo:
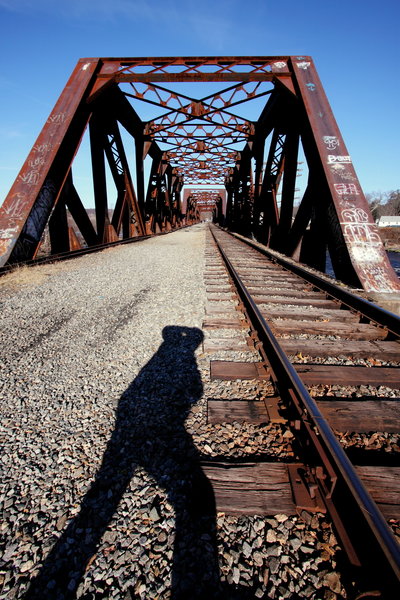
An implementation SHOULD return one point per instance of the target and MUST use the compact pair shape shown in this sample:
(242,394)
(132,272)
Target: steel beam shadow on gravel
(149,433)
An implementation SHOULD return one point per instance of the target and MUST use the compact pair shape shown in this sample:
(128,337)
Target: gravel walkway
(103,395)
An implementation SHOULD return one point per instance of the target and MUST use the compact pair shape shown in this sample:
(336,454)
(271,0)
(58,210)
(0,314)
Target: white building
(388,221)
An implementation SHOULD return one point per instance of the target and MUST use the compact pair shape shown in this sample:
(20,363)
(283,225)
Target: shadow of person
(149,433)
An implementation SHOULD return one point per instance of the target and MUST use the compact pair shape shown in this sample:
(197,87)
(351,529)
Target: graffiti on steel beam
(331,142)
(57,119)
(340,171)
(346,189)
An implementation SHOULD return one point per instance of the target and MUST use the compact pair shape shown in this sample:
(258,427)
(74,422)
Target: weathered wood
(311,314)
(239,259)
(217,309)
(250,277)
(228,370)
(218,289)
(307,295)
(278,278)
(250,488)
(346,348)
(214,345)
(383,483)
(271,284)
(362,416)
(221,297)
(229,411)
(385,350)
(350,331)
(349,375)
(295,299)
(225,323)
(239,411)
(256,269)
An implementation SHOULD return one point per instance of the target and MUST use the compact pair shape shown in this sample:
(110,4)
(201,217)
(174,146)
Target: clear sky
(354,43)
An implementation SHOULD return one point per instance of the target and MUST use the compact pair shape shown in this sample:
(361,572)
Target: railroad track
(331,360)
(270,446)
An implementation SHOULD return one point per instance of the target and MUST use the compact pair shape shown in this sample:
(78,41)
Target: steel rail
(368,309)
(386,548)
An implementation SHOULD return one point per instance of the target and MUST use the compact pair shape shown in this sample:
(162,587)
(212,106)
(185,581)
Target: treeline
(384,204)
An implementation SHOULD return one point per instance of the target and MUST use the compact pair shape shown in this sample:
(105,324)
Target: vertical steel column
(362,241)
(99,177)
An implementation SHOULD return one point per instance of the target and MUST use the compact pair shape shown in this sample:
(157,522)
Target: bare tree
(377,203)
(384,203)
(393,203)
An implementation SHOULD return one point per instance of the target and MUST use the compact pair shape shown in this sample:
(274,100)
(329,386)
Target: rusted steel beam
(27,207)
(194,77)
(290,153)
(362,241)
(139,159)
(78,212)
(58,228)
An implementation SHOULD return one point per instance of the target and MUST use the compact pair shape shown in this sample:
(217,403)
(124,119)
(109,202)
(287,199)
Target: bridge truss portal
(260,127)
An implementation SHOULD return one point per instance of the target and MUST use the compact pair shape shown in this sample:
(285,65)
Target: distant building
(388,221)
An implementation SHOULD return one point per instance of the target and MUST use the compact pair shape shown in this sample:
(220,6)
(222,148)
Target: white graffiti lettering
(359,233)
(333,158)
(15,207)
(30,178)
(5,234)
(331,142)
(346,189)
(37,162)
(355,215)
(340,170)
(280,65)
(375,279)
(57,118)
(303,65)
(42,148)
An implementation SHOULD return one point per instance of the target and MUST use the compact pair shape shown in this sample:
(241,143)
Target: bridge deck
(74,338)
(104,387)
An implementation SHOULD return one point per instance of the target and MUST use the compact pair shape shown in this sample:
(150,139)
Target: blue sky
(354,44)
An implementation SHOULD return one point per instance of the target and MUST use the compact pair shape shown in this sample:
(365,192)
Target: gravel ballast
(103,393)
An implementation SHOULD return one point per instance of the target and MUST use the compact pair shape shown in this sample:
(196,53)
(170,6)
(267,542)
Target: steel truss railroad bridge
(244,170)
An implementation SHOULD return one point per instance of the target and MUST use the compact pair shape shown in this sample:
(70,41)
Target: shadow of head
(170,380)
(184,339)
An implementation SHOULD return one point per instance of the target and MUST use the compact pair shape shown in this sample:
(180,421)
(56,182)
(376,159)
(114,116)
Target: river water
(394,258)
